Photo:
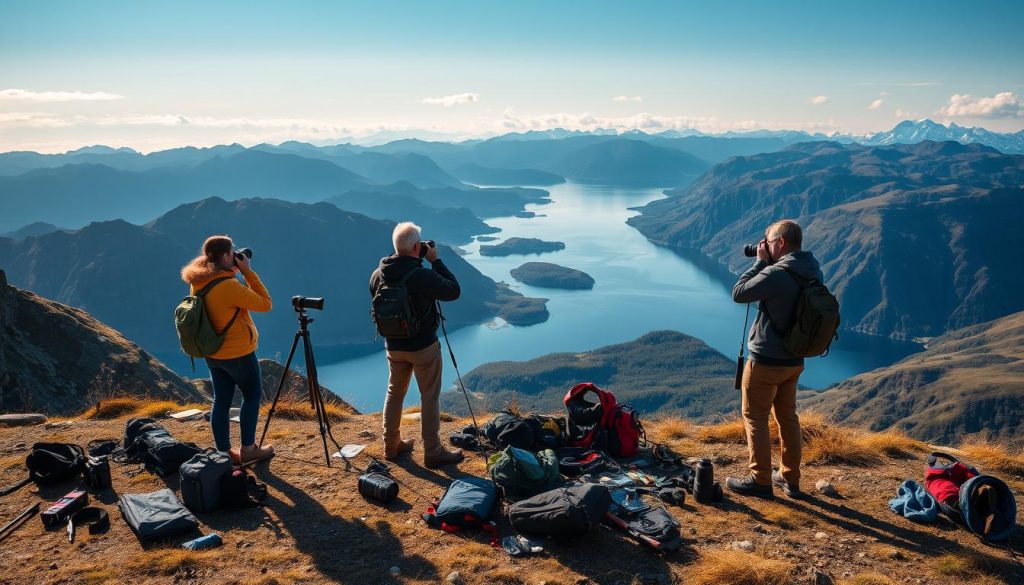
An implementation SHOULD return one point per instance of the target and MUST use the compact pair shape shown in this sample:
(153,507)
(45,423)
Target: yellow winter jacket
(222,301)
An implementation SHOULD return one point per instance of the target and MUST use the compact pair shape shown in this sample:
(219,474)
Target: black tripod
(316,399)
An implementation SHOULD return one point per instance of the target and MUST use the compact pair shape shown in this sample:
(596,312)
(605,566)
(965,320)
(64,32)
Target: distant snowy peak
(911,132)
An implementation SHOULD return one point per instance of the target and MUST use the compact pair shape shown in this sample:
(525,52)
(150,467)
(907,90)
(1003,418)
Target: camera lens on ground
(300,302)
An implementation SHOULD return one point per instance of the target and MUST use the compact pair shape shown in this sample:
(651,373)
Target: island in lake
(521,246)
(548,275)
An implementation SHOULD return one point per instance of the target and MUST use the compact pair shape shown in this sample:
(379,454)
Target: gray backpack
(201,478)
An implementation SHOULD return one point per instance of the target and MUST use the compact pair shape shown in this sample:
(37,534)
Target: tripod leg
(313,387)
(280,386)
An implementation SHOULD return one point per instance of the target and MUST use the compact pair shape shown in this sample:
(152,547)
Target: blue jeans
(243,372)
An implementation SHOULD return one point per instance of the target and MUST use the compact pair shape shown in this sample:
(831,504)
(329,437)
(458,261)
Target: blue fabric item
(243,372)
(914,503)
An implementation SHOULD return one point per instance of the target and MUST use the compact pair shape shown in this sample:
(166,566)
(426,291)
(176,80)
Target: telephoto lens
(377,486)
(300,302)
(750,250)
(247,252)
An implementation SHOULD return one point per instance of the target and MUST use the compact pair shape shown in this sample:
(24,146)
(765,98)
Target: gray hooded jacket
(776,293)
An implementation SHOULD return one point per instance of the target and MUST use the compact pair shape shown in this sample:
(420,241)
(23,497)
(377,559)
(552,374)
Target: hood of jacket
(803,263)
(395,267)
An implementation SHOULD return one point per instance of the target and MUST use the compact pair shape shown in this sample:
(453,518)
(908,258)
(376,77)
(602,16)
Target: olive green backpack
(522,474)
(195,332)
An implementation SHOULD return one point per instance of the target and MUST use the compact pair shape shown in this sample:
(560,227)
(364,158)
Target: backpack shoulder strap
(802,281)
(202,292)
(405,277)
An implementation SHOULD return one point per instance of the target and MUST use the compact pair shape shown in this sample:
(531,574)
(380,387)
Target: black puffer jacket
(436,283)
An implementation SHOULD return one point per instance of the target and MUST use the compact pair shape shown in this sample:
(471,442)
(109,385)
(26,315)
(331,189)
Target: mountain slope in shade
(629,162)
(127,275)
(453,225)
(967,381)
(914,239)
(60,360)
(661,372)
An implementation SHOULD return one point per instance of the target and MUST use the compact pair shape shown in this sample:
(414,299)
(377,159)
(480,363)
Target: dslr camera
(300,303)
(426,245)
(247,252)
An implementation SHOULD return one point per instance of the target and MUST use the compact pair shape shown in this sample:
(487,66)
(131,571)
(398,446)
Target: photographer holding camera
(771,373)
(409,326)
(228,303)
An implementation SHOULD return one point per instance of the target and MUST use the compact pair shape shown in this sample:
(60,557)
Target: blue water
(639,288)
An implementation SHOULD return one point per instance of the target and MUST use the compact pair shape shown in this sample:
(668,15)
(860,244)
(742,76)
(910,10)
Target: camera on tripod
(300,303)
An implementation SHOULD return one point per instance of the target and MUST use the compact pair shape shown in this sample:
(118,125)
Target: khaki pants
(771,389)
(426,364)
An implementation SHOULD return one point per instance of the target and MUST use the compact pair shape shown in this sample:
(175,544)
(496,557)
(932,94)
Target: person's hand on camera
(242,262)
(431,255)
(762,252)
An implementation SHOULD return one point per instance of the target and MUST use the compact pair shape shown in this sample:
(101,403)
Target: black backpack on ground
(147,441)
(50,463)
(508,430)
(467,503)
(655,528)
(201,480)
(239,489)
(562,512)
(392,311)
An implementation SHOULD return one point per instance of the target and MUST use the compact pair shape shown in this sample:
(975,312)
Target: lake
(639,288)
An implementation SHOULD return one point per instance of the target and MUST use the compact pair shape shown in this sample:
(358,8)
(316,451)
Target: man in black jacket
(421,353)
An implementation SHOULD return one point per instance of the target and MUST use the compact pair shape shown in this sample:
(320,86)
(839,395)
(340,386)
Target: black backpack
(50,463)
(392,310)
(562,512)
(239,489)
(815,320)
(147,441)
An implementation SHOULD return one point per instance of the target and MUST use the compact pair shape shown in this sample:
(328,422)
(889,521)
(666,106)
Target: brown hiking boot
(404,446)
(442,458)
(252,453)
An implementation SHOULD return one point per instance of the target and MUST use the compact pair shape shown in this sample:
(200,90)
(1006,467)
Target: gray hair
(405,237)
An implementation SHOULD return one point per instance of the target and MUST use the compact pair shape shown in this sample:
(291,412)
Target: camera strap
(96,518)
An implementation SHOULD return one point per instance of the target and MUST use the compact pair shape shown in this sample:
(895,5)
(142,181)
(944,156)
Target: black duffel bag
(562,512)
(50,463)
(147,441)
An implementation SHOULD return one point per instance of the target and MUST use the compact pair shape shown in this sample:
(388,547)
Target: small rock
(364,434)
(826,488)
(59,425)
(861,555)
(759,529)
(53,566)
(744,545)
(896,555)
(395,571)
(412,416)
(455,578)
(21,420)
(819,578)
(263,570)
(820,535)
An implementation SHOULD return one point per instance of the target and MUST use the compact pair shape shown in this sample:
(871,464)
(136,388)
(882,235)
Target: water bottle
(704,482)
(211,540)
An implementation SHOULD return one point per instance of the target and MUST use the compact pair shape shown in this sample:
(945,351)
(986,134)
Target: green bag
(522,474)
(195,332)
(815,321)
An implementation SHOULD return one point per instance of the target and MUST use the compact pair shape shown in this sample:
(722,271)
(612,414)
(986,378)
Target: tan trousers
(771,389)
(426,364)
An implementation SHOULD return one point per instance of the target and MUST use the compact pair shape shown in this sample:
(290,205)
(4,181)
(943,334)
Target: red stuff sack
(943,481)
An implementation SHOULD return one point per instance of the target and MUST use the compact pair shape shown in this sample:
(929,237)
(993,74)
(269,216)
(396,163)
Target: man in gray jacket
(771,373)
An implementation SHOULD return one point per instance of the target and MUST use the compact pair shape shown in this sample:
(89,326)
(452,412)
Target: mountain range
(915,240)
(127,274)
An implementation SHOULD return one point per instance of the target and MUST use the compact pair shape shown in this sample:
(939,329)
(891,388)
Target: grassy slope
(315,527)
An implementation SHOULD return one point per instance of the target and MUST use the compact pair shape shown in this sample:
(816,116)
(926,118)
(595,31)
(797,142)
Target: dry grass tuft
(157,409)
(990,455)
(738,568)
(168,562)
(727,431)
(893,443)
(113,408)
(839,445)
(868,579)
(786,517)
(670,429)
(292,409)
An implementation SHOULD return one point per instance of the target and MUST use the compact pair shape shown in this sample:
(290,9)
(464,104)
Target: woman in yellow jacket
(235,364)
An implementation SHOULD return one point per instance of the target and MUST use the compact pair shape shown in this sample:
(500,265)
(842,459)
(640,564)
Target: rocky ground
(314,527)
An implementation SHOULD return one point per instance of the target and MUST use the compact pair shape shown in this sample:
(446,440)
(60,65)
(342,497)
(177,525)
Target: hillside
(548,275)
(60,360)
(452,225)
(299,249)
(887,224)
(967,381)
(663,372)
(314,527)
(633,163)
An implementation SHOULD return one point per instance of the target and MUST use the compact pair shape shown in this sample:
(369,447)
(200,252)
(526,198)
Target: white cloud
(457,99)
(1003,105)
(626,98)
(56,96)
(818,100)
(876,104)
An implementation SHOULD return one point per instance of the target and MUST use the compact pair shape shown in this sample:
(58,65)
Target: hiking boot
(442,458)
(235,456)
(253,453)
(792,491)
(404,446)
(748,486)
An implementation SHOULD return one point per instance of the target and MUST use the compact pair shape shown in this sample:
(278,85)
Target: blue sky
(153,75)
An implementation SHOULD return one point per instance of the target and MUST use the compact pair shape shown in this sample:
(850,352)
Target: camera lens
(247,252)
(300,302)
(750,250)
